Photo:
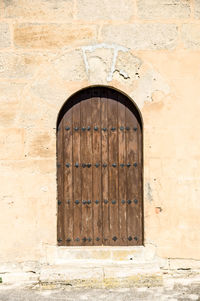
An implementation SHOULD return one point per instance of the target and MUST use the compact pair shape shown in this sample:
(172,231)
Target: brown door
(99,159)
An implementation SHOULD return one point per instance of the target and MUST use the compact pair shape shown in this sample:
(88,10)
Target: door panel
(99,175)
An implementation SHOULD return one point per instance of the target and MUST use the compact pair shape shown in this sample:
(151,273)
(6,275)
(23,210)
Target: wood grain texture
(99,154)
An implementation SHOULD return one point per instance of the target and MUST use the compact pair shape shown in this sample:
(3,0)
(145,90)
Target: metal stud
(76,128)
(135,164)
(114,164)
(83,165)
(105,201)
(89,239)
(97,202)
(67,128)
(135,129)
(136,238)
(129,238)
(84,202)
(59,202)
(67,164)
(88,128)
(97,164)
(114,238)
(83,129)
(121,128)
(84,239)
(68,202)
(96,128)
(129,202)
(123,202)
(77,202)
(113,129)
(104,129)
(59,240)
(135,201)
(113,202)
(104,165)
(68,240)
(128,164)
(77,239)
(88,165)
(122,164)
(97,239)
(76,164)
(88,202)
(127,128)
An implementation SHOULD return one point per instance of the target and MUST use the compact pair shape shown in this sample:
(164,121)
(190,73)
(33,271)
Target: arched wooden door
(99,159)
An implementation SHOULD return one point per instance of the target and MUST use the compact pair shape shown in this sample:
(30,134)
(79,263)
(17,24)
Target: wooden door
(99,170)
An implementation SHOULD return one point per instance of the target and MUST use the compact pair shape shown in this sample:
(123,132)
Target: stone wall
(148,49)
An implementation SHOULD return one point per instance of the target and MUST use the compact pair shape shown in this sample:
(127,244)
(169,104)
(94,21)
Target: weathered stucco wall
(150,50)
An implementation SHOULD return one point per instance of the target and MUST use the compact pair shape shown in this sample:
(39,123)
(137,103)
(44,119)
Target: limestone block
(39,9)
(197,9)
(70,66)
(8,112)
(64,254)
(20,277)
(191,36)
(20,65)
(40,143)
(133,270)
(160,9)
(52,35)
(49,87)
(34,112)
(11,192)
(9,99)
(142,36)
(127,67)
(5,39)
(90,10)
(99,65)
(28,167)
(11,143)
(69,273)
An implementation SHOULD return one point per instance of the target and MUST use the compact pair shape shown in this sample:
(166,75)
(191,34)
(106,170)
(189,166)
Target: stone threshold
(62,255)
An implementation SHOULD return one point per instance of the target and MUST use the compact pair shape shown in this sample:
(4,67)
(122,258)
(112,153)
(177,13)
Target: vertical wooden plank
(138,131)
(60,201)
(132,180)
(105,168)
(96,167)
(86,160)
(122,172)
(68,172)
(77,175)
(113,167)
